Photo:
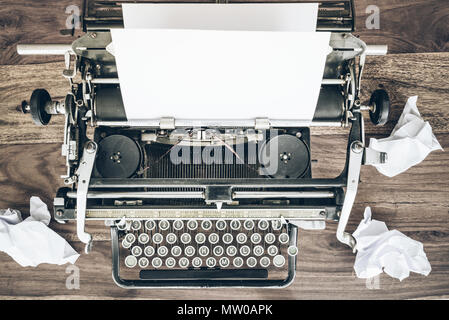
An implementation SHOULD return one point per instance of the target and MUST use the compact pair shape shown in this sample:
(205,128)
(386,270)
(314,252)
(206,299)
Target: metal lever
(84,173)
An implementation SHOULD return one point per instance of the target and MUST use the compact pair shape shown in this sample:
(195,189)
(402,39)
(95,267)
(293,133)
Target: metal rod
(43,49)
(288,194)
(143,195)
(117,81)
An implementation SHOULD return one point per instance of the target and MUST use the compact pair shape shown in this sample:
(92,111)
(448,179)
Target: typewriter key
(136,225)
(170,262)
(158,238)
(192,225)
(276,224)
(213,238)
(197,262)
(164,225)
(189,251)
(183,262)
(206,224)
(292,251)
(270,238)
(241,238)
(263,224)
(149,251)
(220,225)
(136,251)
(121,226)
(265,262)
(203,251)
(235,224)
(251,262)
(228,238)
(186,238)
(283,238)
(211,262)
(218,251)
(126,244)
(178,225)
(279,261)
(248,224)
(130,261)
(223,262)
(144,238)
(162,251)
(245,251)
(157,262)
(231,251)
(176,251)
(200,238)
(144,262)
(256,238)
(272,250)
(171,238)
(150,225)
(258,250)
(130,238)
(237,262)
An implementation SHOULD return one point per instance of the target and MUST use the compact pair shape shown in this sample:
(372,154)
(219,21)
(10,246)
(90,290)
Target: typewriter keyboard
(205,244)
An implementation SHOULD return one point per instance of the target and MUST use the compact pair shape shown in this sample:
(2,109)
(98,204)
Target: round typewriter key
(211,262)
(178,225)
(158,238)
(241,238)
(120,226)
(162,251)
(251,262)
(186,238)
(213,238)
(245,251)
(237,262)
(270,238)
(144,262)
(292,251)
(130,238)
(157,262)
(136,225)
(203,251)
(150,225)
(231,251)
(170,262)
(189,251)
(192,225)
(197,262)
(144,238)
(183,262)
(200,238)
(263,224)
(171,238)
(136,251)
(283,238)
(235,224)
(206,224)
(130,261)
(164,225)
(220,225)
(176,251)
(264,262)
(258,250)
(224,262)
(228,238)
(276,224)
(218,251)
(149,251)
(256,238)
(279,261)
(272,250)
(248,224)
(126,244)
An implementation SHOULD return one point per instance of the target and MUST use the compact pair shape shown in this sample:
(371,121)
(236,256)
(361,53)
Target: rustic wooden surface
(415,202)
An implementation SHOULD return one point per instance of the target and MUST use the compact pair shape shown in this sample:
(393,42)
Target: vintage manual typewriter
(233,224)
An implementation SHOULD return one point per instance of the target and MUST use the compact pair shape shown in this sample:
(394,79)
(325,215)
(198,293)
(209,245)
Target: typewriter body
(193,224)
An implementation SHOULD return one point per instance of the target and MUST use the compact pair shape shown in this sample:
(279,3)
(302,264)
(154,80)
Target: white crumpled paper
(31,242)
(379,249)
(410,142)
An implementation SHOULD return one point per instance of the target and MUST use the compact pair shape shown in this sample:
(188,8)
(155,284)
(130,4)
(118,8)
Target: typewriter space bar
(204,274)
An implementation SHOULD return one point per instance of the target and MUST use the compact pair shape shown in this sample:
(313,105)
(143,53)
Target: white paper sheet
(204,74)
(31,242)
(410,142)
(379,249)
(211,16)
